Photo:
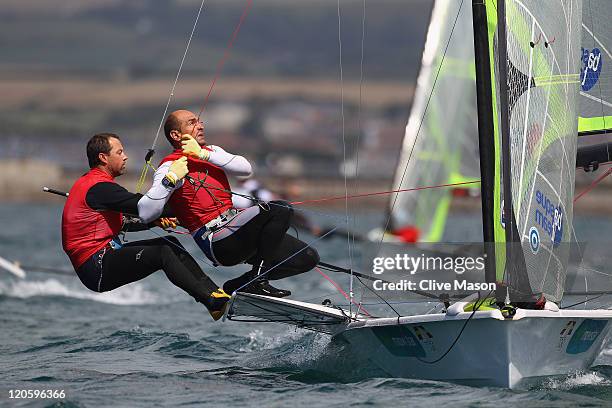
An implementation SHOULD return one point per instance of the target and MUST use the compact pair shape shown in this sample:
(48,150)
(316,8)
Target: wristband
(170,179)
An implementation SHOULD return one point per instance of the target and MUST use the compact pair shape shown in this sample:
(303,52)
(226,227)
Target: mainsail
(596,61)
(440,144)
(534,54)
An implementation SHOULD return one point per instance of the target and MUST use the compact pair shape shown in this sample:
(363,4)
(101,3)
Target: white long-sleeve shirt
(151,205)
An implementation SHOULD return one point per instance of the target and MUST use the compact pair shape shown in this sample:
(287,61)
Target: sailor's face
(116,158)
(190,124)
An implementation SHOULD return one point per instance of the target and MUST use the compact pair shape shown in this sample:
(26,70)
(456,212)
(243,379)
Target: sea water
(148,344)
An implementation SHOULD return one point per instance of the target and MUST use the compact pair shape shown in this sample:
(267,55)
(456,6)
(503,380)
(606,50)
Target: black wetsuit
(264,243)
(111,268)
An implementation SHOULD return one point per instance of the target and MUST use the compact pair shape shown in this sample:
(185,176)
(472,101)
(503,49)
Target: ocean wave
(259,341)
(134,294)
(576,380)
(307,357)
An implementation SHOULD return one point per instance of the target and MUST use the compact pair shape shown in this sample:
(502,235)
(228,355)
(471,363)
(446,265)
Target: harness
(203,234)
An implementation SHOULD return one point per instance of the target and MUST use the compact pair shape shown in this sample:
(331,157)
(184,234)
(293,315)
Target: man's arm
(108,196)
(111,196)
(233,164)
(151,206)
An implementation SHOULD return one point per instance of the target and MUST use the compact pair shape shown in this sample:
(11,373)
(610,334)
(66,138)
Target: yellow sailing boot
(217,303)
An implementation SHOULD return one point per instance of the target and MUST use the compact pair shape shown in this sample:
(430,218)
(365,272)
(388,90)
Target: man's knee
(166,251)
(173,244)
(306,260)
(281,208)
(313,258)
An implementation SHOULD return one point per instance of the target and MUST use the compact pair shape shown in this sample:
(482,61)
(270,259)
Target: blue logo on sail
(549,217)
(591,68)
(534,240)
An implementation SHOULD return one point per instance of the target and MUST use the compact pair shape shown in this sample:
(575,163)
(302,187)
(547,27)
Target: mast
(502,53)
(496,158)
(512,254)
(486,132)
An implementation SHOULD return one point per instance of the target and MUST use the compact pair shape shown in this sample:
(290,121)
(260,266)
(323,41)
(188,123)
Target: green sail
(498,224)
(542,77)
(440,144)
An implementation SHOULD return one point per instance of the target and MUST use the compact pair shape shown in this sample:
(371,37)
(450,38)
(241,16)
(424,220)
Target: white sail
(441,143)
(543,44)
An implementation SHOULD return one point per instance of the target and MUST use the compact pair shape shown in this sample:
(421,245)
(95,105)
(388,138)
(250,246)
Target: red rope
(593,184)
(382,192)
(342,292)
(226,54)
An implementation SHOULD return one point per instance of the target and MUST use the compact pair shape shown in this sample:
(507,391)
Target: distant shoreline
(85,93)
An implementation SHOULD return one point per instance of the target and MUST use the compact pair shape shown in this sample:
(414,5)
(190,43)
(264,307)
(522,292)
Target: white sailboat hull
(490,351)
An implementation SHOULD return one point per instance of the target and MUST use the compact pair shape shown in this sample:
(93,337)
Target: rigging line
(176,79)
(404,302)
(226,54)
(346,210)
(272,312)
(323,296)
(421,123)
(346,296)
(363,287)
(359,118)
(178,74)
(379,296)
(593,184)
(294,203)
(402,190)
(334,284)
(585,301)
(206,186)
(266,317)
(308,245)
(476,307)
(357,275)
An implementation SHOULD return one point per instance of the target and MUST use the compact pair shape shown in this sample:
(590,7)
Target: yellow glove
(193,149)
(178,170)
(166,223)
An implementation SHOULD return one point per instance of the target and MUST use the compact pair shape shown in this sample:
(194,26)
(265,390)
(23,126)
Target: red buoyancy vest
(195,205)
(84,230)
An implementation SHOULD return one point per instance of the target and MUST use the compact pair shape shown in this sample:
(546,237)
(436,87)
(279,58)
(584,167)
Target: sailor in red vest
(93,218)
(203,204)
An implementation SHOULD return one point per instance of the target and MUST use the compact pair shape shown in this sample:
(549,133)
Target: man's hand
(167,223)
(178,170)
(192,148)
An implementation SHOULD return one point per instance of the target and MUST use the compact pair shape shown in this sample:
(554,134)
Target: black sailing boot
(263,287)
(259,287)
(216,303)
(211,296)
